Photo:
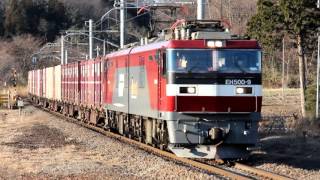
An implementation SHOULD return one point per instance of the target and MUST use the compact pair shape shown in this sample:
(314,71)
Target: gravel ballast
(39,145)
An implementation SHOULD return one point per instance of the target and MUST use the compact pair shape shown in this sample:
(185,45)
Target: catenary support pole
(122,23)
(98,51)
(62,49)
(90,39)
(66,57)
(200,9)
(104,47)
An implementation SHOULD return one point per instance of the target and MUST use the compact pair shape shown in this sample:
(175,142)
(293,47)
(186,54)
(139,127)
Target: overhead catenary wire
(125,5)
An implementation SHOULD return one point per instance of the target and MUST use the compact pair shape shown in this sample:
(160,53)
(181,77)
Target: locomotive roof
(185,44)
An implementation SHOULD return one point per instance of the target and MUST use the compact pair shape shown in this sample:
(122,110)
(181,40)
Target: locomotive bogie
(197,131)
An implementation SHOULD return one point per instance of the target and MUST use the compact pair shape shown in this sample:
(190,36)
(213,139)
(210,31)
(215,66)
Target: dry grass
(307,127)
(22,91)
(285,109)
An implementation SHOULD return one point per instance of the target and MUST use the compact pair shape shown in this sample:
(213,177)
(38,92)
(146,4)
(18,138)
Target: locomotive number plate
(238,82)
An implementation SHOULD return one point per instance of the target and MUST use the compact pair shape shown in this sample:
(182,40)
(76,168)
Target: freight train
(195,91)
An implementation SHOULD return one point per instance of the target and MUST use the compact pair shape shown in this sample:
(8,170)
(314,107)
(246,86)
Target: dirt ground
(290,155)
(291,150)
(38,145)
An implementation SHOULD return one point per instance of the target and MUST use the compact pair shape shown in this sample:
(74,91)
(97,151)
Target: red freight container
(87,81)
(104,80)
(29,82)
(33,91)
(63,83)
(42,79)
(70,83)
(83,76)
(91,82)
(82,84)
(97,81)
(37,83)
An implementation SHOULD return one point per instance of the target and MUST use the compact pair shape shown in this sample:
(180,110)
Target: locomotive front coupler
(218,134)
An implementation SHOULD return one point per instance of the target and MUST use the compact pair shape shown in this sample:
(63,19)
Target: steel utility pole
(200,9)
(66,57)
(90,39)
(318,64)
(122,21)
(62,49)
(104,47)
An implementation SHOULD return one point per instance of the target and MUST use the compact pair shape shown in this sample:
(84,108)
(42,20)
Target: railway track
(236,171)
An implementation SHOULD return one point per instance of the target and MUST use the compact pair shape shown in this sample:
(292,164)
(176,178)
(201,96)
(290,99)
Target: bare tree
(17,54)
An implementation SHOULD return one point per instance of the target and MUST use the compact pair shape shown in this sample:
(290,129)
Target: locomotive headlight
(188,90)
(218,44)
(215,44)
(240,90)
(191,90)
(211,44)
(244,90)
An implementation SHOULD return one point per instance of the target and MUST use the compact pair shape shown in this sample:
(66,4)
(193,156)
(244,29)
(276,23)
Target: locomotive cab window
(161,57)
(164,63)
(238,61)
(221,61)
(190,60)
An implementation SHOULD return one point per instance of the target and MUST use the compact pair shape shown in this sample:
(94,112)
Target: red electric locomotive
(195,91)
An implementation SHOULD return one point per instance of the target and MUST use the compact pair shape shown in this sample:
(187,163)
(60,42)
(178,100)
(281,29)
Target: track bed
(40,145)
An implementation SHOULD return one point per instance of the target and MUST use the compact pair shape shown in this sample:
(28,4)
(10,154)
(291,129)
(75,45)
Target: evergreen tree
(36,17)
(264,25)
(297,18)
(1,18)
(32,11)
(56,18)
(107,3)
(12,16)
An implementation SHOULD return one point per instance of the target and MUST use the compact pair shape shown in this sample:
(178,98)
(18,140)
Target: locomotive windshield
(184,61)
(237,61)
(206,60)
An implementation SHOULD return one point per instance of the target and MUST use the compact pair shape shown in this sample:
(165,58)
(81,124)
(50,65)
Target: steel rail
(170,156)
(150,149)
(260,172)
